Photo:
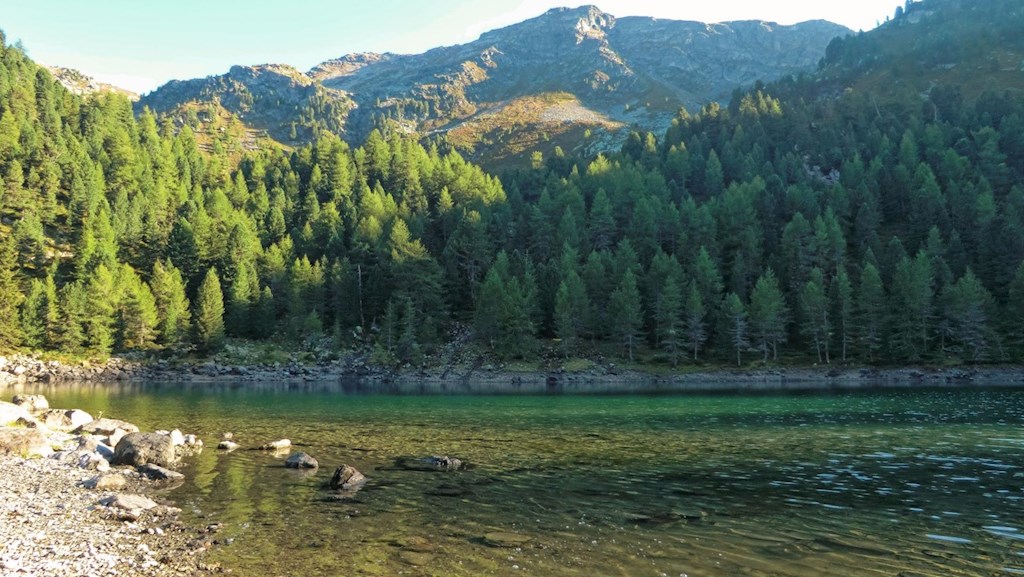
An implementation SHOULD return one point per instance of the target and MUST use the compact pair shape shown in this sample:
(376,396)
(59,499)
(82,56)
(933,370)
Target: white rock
(177,439)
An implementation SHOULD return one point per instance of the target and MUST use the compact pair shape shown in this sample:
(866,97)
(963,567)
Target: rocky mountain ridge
(547,81)
(82,84)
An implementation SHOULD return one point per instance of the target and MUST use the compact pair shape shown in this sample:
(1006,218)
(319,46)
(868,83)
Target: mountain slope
(83,85)
(611,72)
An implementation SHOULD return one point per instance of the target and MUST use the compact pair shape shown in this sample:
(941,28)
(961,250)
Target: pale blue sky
(140,44)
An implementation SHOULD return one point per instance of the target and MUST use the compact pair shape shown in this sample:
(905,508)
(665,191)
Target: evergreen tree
(814,311)
(694,325)
(209,314)
(871,311)
(968,307)
(172,306)
(735,316)
(912,306)
(626,313)
(10,296)
(101,309)
(768,315)
(842,301)
(671,329)
(572,308)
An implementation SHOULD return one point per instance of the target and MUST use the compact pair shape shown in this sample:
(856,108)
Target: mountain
(571,77)
(968,47)
(84,85)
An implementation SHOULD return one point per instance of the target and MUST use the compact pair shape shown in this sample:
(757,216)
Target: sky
(141,44)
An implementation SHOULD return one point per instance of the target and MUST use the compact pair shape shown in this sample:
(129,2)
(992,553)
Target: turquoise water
(872,483)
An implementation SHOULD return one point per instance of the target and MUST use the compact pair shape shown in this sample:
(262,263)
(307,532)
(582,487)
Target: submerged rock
(507,540)
(301,461)
(432,463)
(278,445)
(137,449)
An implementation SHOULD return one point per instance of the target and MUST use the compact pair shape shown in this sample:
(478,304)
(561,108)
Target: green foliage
(209,314)
(895,224)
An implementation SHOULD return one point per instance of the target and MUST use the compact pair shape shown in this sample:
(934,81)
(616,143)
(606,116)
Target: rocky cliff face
(558,75)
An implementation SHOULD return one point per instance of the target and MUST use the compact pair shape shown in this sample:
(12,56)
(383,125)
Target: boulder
(227,445)
(432,463)
(129,502)
(158,473)
(137,449)
(301,461)
(279,445)
(107,427)
(93,462)
(347,478)
(24,442)
(106,482)
(64,419)
(9,413)
(32,403)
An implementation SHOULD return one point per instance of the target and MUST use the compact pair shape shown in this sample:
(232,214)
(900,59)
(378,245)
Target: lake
(900,482)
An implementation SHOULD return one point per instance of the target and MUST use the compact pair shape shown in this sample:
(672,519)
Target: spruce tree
(10,296)
(626,313)
(572,308)
(694,323)
(209,314)
(734,315)
(871,314)
(768,315)
(173,314)
(814,312)
(671,329)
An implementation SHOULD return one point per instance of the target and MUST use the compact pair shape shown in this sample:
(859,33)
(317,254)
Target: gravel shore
(52,523)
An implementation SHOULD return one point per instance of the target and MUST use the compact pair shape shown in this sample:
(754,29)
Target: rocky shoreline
(489,379)
(67,508)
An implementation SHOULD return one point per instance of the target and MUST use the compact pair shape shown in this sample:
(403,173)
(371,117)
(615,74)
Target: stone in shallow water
(507,540)
(227,445)
(416,558)
(158,473)
(432,463)
(301,461)
(278,445)
(137,449)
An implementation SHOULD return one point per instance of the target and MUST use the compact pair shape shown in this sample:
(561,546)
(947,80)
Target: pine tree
(967,308)
(572,309)
(694,324)
(735,317)
(671,329)
(626,313)
(173,314)
(912,307)
(842,300)
(138,312)
(209,314)
(1014,312)
(489,306)
(871,311)
(101,309)
(10,296)
(814,311)
(768,315)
